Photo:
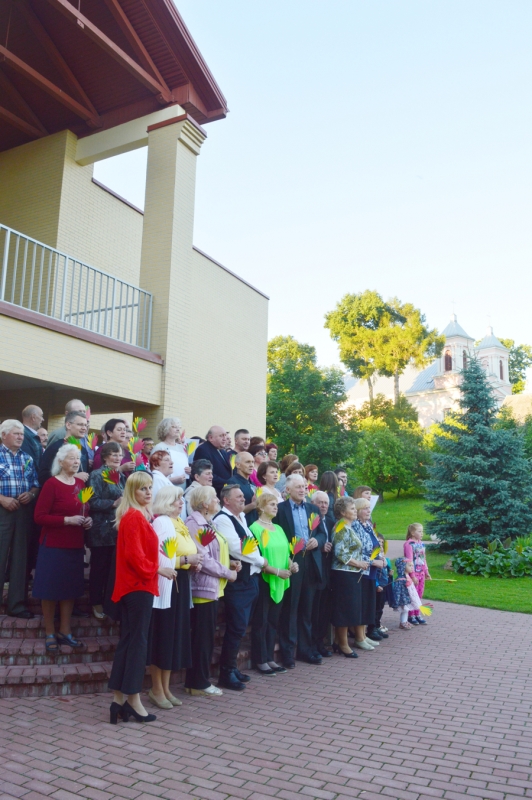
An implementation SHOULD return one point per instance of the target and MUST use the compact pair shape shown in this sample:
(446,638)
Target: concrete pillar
(167,259)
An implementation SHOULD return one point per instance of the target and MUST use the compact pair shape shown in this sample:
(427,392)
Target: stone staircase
(27,670)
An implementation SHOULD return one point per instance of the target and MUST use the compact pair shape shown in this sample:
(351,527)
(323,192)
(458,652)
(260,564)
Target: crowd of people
(172,528)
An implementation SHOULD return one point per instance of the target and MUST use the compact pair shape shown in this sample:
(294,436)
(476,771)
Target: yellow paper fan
(426,611)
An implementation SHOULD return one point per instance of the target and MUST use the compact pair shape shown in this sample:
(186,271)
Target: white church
(435,390)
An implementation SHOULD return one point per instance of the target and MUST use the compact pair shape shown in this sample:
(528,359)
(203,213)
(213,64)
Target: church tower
(458,347)
(493,356)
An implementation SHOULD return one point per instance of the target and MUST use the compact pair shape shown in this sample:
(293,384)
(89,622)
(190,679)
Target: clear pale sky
(371,144)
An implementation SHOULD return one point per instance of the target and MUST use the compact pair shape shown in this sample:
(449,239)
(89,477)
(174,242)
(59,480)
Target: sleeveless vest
(244,575)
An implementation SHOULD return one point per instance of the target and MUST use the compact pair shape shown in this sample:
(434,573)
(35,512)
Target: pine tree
(480,484)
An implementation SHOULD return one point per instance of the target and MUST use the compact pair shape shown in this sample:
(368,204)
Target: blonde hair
(165,499)
(265,498)
(415,526)
(61,455)
(361,502)
(201,496)
(135,481)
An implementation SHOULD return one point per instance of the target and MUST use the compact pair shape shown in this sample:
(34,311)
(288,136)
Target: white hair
(164,426)
(165,499)
(9,425)
(321,494)
(292,478)
(61,455)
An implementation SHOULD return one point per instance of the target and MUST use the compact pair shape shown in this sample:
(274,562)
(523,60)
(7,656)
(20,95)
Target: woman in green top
(274,582)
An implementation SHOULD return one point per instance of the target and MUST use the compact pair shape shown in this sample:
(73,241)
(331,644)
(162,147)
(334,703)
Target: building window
(464,359)
(501,370)
(448,361)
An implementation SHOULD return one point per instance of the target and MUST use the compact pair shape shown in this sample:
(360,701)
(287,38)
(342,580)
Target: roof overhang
(94,65)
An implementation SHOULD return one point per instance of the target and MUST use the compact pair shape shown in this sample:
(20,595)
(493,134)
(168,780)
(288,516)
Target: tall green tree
(519,360)
(356,325)
(480,483)
(391,459)
(406,339)
(304,412)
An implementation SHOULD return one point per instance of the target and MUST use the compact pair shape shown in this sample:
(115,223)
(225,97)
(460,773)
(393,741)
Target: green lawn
(393,516)
(505,594)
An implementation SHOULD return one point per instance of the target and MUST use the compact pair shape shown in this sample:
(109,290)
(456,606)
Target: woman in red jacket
(136,584)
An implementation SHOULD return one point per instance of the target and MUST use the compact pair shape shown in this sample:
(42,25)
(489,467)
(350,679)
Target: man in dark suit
(32,419)
(321,612)
(244,466)
(296,615)
(214,451)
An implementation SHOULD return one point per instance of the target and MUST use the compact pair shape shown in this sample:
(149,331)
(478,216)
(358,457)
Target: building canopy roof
(95,64)
(454,329)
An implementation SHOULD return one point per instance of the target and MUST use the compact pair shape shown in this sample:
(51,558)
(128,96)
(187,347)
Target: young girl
(414,550)
(405,597)
(384,593)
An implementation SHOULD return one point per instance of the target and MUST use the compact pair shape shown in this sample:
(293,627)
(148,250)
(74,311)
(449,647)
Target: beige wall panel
(31,177)
(46,355)
(96,227)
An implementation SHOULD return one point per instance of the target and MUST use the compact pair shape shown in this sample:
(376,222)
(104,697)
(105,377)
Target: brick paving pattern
(442,711)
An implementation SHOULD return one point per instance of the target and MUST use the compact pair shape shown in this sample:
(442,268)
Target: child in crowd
(405,597)
(384,581)
(414,550)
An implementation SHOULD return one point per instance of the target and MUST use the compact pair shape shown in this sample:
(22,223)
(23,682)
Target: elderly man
(59,433)
(244,466)
(242,440)
(76,426)
(18,489)
(240,596)
(213,450)
(42,433)
(296,615)
(32,418)
(321,611)
(201,475)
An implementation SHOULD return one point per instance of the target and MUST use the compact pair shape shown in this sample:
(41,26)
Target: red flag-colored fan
(297,545)
(206,536)
(111,476)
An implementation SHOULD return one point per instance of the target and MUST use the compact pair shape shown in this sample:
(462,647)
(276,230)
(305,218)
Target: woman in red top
(136,584)
(59,570)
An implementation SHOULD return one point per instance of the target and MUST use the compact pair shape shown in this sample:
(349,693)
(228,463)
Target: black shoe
(383,635)
(375,636)
(421,621)
(228,680)
(324,651)
(316,660)
(128,711)
(117,712)
(413,620)
(267,672)
(22,614)
(77,612)
(352,654)
(241,677)
(289,663)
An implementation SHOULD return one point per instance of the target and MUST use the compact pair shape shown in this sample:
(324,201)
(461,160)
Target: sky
(370,144)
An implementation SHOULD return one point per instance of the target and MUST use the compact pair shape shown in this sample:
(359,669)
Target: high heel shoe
(117,712)
(135,714)
(351,654)
(336,648)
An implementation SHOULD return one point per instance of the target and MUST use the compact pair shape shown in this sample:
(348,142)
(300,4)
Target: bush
(507,560)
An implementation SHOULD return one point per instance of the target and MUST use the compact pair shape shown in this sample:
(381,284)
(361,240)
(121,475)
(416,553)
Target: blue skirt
(59,573)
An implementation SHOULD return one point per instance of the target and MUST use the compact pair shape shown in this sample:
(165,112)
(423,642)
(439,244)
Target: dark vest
(244,575)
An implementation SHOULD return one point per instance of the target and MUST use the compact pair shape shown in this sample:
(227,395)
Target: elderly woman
(60,561)
(364,530)
(350,606)
(169,647)
(275,580)
(115,430)
(136,584)
(201,474)
(161,467)
(267,476)
(108,486)
(169,435)
(207,586)
(283,466)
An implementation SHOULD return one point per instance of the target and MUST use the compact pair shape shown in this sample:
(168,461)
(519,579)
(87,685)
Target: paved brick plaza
(437,712)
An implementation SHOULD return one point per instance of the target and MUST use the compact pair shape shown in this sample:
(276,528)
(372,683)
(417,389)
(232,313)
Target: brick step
(82,627)
(58,680)
(32,652)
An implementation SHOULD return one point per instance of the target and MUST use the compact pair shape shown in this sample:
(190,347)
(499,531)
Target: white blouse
(164,528)
(179,459)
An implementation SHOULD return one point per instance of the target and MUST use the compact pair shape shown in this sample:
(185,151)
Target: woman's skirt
(59,573)
(169,638)
(353,600)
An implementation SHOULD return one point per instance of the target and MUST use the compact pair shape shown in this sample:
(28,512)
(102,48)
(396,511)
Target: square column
(167,260)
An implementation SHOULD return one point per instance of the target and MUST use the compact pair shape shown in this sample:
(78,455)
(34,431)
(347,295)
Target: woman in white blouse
(169,435)
(161,467)
(169,647)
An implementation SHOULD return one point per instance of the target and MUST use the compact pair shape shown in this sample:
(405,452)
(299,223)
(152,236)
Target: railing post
(149,322)
(63,290)
(4,263)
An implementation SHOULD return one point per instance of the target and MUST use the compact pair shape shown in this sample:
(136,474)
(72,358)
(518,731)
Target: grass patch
(504,594)
(393,516)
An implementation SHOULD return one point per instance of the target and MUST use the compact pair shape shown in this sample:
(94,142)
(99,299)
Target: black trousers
(296,613)
(239,600)
(129,664)
(321,616)
(202,629)
(101,560)
(15,528)
(379,608)
(264,625)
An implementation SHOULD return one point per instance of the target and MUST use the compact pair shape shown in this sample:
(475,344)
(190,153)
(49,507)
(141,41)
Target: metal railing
(47,281)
